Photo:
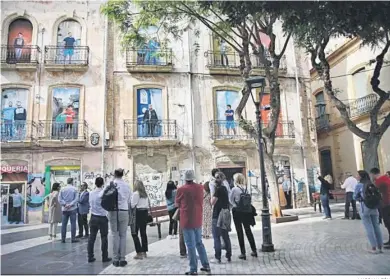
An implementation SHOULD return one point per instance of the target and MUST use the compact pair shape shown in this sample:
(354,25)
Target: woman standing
(242,218)
(140,202)
(369,215)
(55,213)
(207,211)
(326,184)
(170,195)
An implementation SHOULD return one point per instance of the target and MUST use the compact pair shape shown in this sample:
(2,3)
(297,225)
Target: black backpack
(372,196)
(110,198)
(245,202)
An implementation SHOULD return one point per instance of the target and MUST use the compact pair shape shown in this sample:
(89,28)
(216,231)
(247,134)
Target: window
(320,105)
(19,41)
(149,112)
(360,83)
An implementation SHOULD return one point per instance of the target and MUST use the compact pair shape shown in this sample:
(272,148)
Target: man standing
(69,47)
(98,222)
(83,210)
(9,115)
(17,206)
(150,118)
(189,200)
(349,186)
(20,120)
(119,219)
(286,185)
(18,45)
(383,184)
(222,49)
(230,125)
(68,198)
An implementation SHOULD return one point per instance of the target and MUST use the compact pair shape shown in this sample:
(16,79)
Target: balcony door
(149,112)
(326,162)
(68,40)
(226,104)
(19,41)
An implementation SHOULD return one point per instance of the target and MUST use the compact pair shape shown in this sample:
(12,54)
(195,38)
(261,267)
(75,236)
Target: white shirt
(349,184)
(137,201)
(95,202)
(124,194)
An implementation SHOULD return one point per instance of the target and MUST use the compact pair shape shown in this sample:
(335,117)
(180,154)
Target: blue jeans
(370,218)
(217,234)
(325,204)
(193,240)
(66,215)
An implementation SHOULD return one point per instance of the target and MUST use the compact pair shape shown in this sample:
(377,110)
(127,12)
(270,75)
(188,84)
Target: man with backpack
(382,182)
(116,200)
(243,215)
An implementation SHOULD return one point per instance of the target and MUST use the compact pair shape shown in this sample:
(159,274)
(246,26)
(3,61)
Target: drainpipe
(300,121)
(192,106)
(105,49)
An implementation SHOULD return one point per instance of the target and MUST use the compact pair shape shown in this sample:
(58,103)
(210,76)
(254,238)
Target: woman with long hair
(170,195)
(240,218)
(326,184)
(140,202)
(369,215)
(55,212)
(207,211)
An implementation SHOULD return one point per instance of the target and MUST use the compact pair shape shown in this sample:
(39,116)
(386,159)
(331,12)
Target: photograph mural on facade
(149,51)
(19,41)
(35,197)
(226,104)
(149,112)
(223,54)
(16,203)
(65,112)
(14,103)
(267,114)
(68,38)
(4,203)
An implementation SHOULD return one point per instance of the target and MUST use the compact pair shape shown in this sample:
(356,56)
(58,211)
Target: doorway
(13,197)
(326,162)
(230,172)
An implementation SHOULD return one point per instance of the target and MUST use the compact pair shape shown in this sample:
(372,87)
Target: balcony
(150,133)
(25,58)
(18,133)
(229,64)
(229,133)
(144,60)
(322,123)
(59,58)
(362,105)
(56,134)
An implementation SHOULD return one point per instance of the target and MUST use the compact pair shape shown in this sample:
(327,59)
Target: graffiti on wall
(35,197)
(90,177)
(154,187)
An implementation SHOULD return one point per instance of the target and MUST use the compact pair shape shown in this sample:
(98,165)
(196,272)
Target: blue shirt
(358,195)
(171,201)
(69,42)
(9,113)
(17,200)
(68,196)
(230,117)
(95,202)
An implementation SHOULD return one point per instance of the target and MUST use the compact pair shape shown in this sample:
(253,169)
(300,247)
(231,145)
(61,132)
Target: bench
(317,200)
(156,212)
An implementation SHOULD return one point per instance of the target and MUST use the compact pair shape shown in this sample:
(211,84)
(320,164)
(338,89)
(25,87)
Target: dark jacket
(153,115)
(83,204)
(325,186)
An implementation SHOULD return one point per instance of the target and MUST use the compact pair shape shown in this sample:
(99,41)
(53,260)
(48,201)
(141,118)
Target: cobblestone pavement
(312,246)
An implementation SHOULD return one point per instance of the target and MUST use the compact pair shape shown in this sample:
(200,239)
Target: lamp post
(267,246)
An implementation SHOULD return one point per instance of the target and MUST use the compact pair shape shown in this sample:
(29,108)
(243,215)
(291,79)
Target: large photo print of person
(19,41)
(68,37)
(149,113)
(14,113)
(65,112)
(227,102)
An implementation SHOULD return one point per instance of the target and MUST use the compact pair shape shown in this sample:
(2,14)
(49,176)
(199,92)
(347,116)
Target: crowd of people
(369,196)
(197,211)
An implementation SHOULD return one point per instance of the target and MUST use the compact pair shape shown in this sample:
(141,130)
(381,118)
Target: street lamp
(253,83)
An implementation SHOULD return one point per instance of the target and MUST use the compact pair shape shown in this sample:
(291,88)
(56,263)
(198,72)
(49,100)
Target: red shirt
(383,183)
(189,200)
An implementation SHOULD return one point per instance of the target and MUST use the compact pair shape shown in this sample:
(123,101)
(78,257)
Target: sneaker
(91,260)
(122,263)
(115,263)
(191,273)
(205,269)
(216,261)
(106,260)
(183,256)
(75,240)
(242,257)
(138,256)
(373,251)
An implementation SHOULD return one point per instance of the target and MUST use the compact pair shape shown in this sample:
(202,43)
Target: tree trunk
(274,205)
(370,152)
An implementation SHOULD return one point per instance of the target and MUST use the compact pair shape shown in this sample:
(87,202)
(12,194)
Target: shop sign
(11,169)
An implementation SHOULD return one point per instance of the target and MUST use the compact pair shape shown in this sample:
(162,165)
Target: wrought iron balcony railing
(18,130)
(20,55)
(216,59)
(222,129)
(53,130)
(322,122)
(147,57)
(139,129)
(362,105)
(61,55)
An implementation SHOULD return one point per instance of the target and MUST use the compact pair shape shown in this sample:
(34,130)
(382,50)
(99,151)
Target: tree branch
(284,46)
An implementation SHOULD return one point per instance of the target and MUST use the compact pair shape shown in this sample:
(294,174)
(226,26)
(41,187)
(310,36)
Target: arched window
(19,41)
(69,41)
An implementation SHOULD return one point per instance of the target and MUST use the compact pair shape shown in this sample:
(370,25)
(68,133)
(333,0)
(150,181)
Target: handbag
(176,215)
(150,217)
